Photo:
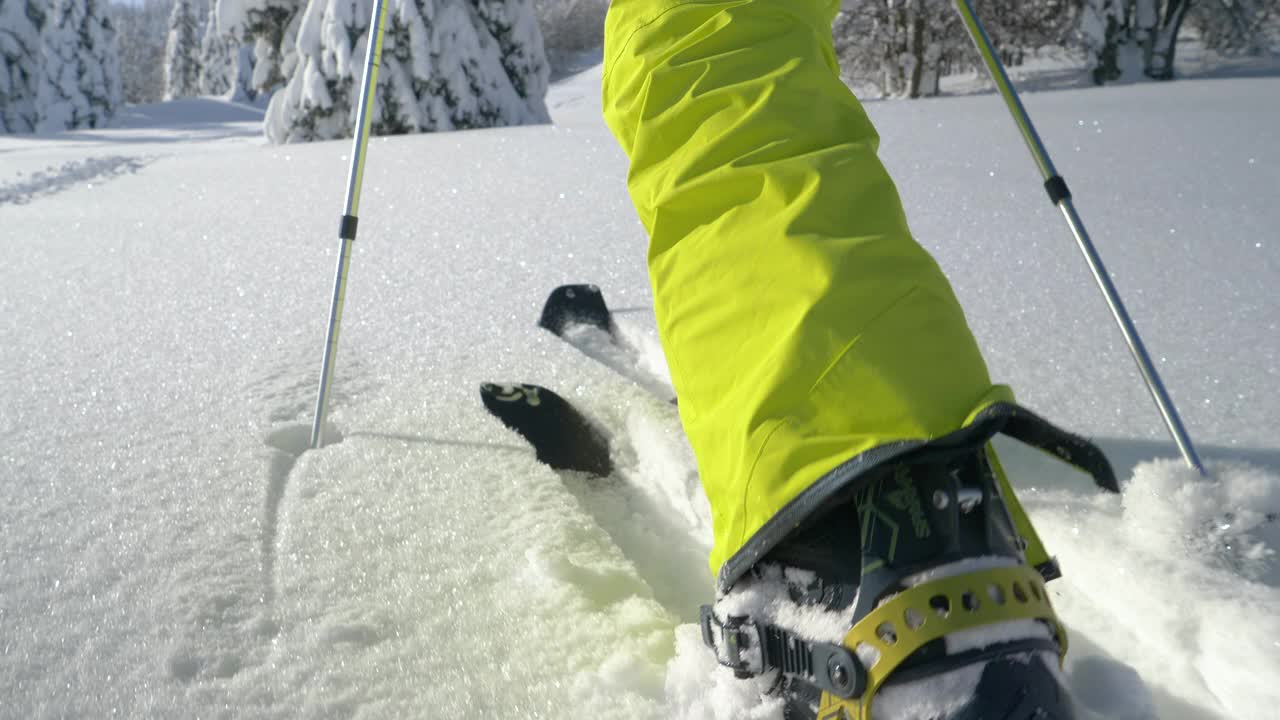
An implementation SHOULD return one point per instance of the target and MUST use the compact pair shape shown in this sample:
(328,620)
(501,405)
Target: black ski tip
(575,305)
(560,434)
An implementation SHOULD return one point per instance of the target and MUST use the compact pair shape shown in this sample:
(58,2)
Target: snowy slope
(169,550)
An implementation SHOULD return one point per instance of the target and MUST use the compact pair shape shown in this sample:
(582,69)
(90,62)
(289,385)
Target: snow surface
(170,550)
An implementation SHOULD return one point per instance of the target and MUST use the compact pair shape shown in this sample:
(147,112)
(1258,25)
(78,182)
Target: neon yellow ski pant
(802,323)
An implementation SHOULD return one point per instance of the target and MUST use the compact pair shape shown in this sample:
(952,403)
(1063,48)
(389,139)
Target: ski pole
(347,226)
(1060,196)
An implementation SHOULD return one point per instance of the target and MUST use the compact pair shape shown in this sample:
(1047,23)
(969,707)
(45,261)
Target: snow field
(169,549)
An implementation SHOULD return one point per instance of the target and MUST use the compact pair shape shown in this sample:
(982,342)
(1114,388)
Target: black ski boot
(913,592)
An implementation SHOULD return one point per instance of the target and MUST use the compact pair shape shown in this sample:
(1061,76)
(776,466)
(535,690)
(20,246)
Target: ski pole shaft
(347,227)
(1060,196)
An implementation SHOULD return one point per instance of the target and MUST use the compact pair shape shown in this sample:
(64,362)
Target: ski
(560,434)
(578,315)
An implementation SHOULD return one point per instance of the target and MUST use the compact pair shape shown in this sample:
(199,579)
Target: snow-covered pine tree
(181,59)
(20,22)
(243,90)
(446,64)
(226,64)
(141,28)
(270,27)
(217,58)
(514,24)
(80,70)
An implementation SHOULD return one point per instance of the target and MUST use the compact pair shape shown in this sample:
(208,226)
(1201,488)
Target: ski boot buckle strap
(736,644)
(751,649)
(891,633)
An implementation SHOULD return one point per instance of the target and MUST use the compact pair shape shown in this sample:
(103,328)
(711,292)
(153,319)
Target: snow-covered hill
(169,550)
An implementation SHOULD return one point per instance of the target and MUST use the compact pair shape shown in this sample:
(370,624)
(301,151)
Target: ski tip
(505,393)
(560,434)
(581,304)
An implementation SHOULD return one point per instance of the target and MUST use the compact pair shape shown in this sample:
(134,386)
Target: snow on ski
(562,435)
(578,315)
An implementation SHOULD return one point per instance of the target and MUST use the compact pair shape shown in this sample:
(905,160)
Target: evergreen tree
(217,58)
(446,64)
(270,28)
(226,64)
(20,23)
(141,30)
(514,25)
(181,62)
(243,89)
(80,69)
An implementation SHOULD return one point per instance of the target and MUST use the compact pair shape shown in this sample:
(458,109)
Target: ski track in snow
(172,548)
(73,172)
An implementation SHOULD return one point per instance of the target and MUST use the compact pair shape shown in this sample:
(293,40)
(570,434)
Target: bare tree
(570,27)
(1018,27)
(1237,26)
(1129,39)
(904,47)
(900,46)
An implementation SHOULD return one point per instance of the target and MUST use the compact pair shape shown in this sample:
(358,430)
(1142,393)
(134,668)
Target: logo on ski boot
(907,499)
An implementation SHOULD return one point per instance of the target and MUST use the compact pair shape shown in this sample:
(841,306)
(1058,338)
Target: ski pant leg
(803,325)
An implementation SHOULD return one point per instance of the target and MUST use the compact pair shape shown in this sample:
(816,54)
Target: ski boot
(912,590)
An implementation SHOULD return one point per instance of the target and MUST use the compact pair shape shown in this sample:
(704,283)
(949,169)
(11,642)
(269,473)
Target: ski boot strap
(886,636)
(754,648)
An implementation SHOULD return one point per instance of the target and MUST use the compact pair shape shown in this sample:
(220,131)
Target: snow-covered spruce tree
(217,58)
(140,37)
(80,70)
(226,64)
(20,22)
(181,59)
(513,24)
(270,27)
(243,89)
(446,64)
